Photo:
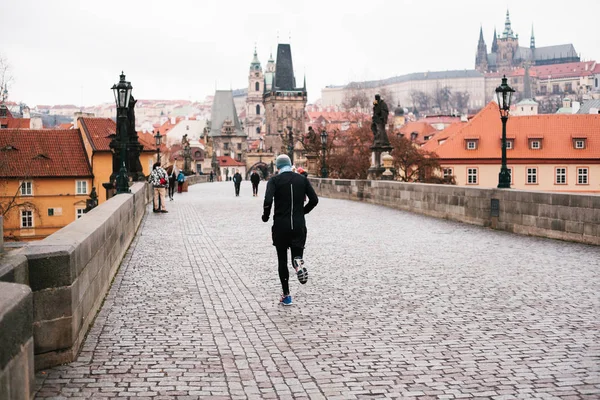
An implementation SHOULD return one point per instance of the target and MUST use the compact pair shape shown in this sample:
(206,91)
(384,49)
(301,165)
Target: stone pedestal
(377,168)
(312,164)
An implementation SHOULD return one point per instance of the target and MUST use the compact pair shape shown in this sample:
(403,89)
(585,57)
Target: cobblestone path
(397,306)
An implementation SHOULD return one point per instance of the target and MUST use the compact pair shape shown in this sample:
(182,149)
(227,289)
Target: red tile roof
(226,161)
(42,153)
(65,126)
(556,130)
(97,131)
(422,129)
(16,123)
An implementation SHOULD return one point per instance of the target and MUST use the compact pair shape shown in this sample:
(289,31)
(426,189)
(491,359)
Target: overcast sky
(71,52)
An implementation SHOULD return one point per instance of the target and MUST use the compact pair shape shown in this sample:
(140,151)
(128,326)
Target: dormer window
(536,144)
(579,143)
(510,144)
(471,144)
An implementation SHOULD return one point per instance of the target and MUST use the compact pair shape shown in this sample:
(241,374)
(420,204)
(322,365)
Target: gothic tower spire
(481,62)
(495,42)
(532,43)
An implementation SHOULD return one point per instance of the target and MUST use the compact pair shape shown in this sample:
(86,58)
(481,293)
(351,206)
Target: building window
(198,154)
(596,82)
(26,219)
(582,176)
(543,89)
(561,176)
(472,176)
(51,212)
(226,146)
(258,109)
(448,173)
(79,213)
(27,188)
(580,144)
(81,187)
(187,127)
(471,145)
(258,129)
(239,157)
(509,144)
(239,146)
(532,176)
(555,89)
(568,87)
(257,86)
(535,144)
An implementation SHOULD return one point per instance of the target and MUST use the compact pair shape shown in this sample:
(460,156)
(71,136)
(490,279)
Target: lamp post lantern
(504,94)
(122,92)
(158,138)
(324,149)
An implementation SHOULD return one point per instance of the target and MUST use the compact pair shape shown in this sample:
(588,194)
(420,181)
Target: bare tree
(421,100)
(356,96)
(6,78)
(460,101)
(441,97)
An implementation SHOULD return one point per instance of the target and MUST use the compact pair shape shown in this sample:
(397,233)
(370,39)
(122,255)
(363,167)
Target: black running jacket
(289,190)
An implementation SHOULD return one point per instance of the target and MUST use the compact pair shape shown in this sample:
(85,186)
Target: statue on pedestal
(379,121)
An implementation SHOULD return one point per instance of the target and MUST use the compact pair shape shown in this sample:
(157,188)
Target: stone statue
(185,142)
(134,148)
(379,121)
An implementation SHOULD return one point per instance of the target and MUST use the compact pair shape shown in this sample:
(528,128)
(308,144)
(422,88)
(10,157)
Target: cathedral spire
(481,61)
(532,44)
(495,42)
(508,32)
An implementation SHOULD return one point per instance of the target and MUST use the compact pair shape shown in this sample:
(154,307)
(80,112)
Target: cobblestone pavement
(397,306)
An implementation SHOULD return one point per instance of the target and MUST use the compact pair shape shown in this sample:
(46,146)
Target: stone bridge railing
(51,290)
(565,216)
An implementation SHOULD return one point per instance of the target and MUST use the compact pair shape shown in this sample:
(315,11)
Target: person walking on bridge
(289,225)
(237,181)
(255,179)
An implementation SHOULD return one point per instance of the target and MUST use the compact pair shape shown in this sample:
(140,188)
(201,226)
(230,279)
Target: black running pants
(284,274)
(255,188)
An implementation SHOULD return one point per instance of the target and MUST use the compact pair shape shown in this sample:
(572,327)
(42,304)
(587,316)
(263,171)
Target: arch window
(257,86)
(258,109)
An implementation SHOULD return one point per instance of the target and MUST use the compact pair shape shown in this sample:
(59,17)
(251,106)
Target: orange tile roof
(422,129)
(557,130)
(16,123)
(65,126)
(442,135)
(226,161)
(42,153)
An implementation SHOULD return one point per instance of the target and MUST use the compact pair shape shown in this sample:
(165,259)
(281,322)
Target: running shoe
(301,270)
(286,300)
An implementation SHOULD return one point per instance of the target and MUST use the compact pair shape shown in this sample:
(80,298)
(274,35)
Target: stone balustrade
(566,216)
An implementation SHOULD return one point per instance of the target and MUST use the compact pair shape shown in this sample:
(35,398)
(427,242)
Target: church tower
(481,61)
(508,45)
(255,109)
(284,106)
(269,73)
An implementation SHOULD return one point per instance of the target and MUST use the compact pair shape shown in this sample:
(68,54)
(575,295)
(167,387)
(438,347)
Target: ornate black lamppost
(504,94)
(324,149)
(158,138)
(122,92)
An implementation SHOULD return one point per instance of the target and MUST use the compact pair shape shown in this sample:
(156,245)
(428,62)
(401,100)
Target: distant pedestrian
(159,180)
(255,179)
(180,180)
(212,176)
(237,181)
(289,226)
(172,179)
(302,172)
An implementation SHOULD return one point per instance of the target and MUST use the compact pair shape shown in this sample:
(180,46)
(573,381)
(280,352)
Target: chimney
(567,102)
(173,120)
(464,118)
(26,113)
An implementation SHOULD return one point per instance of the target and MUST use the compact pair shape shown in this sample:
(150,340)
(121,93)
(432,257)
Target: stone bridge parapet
(565,216)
